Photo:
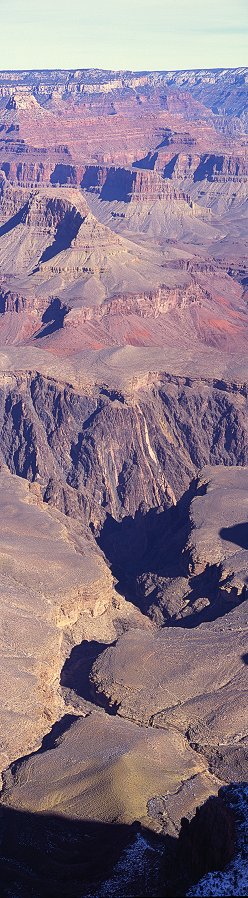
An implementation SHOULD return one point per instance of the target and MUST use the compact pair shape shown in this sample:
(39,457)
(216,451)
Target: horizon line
(130,71)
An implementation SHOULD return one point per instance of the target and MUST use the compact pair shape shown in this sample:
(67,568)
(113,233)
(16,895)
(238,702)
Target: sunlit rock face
(123,483)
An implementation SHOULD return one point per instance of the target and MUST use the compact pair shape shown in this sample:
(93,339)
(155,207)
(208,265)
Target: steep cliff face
(12,199)
(50,212)
(207,842)
(118,451)
(178,565)
(233,879)
(211,167)
(125,185)
(38,168)
(35,209)
(119,183)
(11,301)
(52,579)
(221,168)
(123,560)
(144,760)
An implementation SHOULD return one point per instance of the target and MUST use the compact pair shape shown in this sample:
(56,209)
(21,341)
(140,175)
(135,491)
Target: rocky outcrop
(123,336)
(193,694)
(156,773)
(117,183)
(174,165)
(150,185)
(11,301)
(170,430)
(51,577)
(179,583)
(210,167)
(206,842)
(233,879)
(125,185)
(51,212)
(39,170)
(12,199)
(221,168)
(147,304)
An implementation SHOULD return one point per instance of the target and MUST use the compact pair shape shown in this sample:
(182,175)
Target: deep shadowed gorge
(123,483)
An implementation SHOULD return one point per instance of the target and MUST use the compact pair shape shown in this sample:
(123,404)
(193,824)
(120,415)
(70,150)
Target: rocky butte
(123,483)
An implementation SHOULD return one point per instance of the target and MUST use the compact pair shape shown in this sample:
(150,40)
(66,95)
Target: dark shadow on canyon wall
(118,185)
(166,140)
(51,856)
(75,674)
(139,543)
(238,534)
(206,167)
(90,177)
(53,318)
(148,551)
(66,231)
(64,174)
(169,167)
(148,162)
(58,729)
(15,220)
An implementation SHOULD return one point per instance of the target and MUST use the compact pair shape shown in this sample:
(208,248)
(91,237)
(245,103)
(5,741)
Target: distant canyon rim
(123,483)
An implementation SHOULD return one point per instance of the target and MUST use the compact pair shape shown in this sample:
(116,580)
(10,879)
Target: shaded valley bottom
(152,712)
(49,856)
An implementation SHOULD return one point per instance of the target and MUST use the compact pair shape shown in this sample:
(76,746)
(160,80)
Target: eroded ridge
(123,482)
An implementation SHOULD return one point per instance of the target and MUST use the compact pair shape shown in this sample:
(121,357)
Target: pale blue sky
(123,34)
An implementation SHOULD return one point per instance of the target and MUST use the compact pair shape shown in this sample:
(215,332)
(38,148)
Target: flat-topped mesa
(47,211)
(22,99)
(51,211)
(79,84)
(217,87)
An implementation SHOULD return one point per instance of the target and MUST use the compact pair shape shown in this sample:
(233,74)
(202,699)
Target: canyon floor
(123,483)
